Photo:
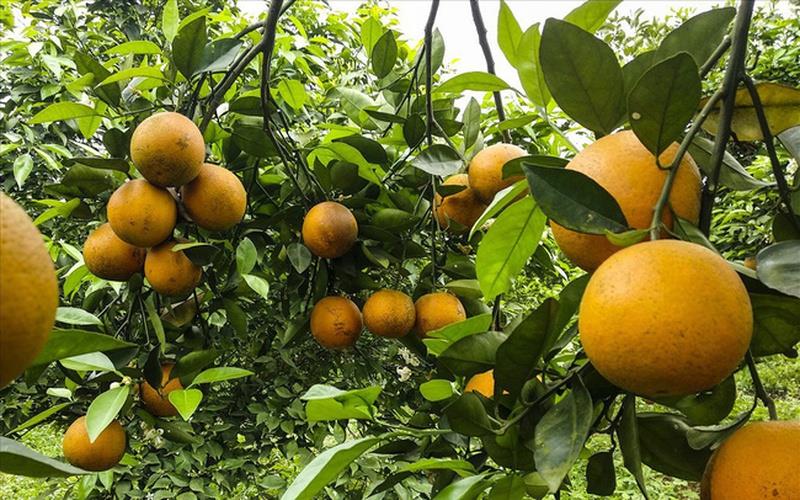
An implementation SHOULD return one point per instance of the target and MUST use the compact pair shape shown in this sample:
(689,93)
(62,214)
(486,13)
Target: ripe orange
(142,214)
(486,170)
(216,199)
(171,273)
(168,149)
(759,460)
(463,207)
(665,318)
(157,402)
(482,383)
(628,171)
(436,310)
(336,322)
(106,451)
(28,291)
(109,257)
(329,229)
(389,313)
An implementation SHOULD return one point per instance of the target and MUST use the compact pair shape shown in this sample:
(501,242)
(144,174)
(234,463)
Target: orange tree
(366,168)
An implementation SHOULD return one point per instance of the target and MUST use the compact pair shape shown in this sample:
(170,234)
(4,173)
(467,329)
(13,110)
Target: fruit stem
(769,141)
(733,74)
(761,393)
(480,28)
(658,210)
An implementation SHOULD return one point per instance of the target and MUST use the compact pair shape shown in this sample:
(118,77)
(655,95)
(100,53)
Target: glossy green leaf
(732,174)
(219,54)
(472,354)
(591,14)
(118,164)
(501,200)
(509,34)
(601,478)
(254,141)
(188,45)
(776,324)
(219,374)
(40,417)
(155,321)
(511,487)
(466,488)
(708,407)
(127,74)
(104,409)
(438,159)
(467,416)
(460,467)
(781,106)
(529,68)
(62,111)
(293,92)
(384,54)
(23,166)
(698,36)
(186,401)
(778,267)
(635,68)
(257,284)
(664,446)
(134,47)
(572,61)
(76,316)
(473,80)
(439,340)
(663,101)
(67,343)
(329,403)
(193,362)
(246,256)
(574,200)
(299,256)
(93,361)
(371,31)
(628,434)
(169,20)
(508,245)
(436,389)
(19,460)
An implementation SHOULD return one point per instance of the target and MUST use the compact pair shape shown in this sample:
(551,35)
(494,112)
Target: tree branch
(480,28)
(429,125)
(761,393)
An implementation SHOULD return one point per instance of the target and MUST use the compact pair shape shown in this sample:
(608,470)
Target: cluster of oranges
(168,150)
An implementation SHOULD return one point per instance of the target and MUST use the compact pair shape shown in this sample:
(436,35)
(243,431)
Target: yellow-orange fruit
(157,402)
(28,291)
(482,383)
(329,229)
(109,257)
(750,263)
(628,171)
(106,451)
(216,199)
(336,322)
(171,273)
(486,170)
(665,318)
(759,460)
(168,149)
(463,207)
(389,313)
(436,310)
(142,214)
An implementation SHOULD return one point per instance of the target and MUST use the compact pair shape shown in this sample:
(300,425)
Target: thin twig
(429,124)
(715,57)
(761,393)
(480,28)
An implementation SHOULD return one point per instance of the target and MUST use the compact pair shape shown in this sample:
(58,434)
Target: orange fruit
(109,257)
(665,318)
(336,322)
(168,149)
(759,460)
(389,313)
(436,310)
(28,291)
(171,273)
(142,214)
(216,199)
(157,402)
(750,263)
(463,207)
(106,451)
(482,383)
(329,229)
(486,170)
(628,171)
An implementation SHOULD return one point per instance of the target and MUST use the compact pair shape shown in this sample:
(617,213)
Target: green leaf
(371,31)
(591,14)
(601,478)
(414,130)
(574,200)
(257,284)
(781,105)
(134,47)
(219,374)
(628,434)
(438,159)
(104,409)
(439,340)
(706,408)
(76,316)
(472,122)
(93,361)
(246,256)
(572,61)
(509,34)
(155,320)
(19,460)
(293,92)
(467,288)
(254,141)
(384,54)
(23,166)
(40,417)
(326,467)
(393,219)
(218,55)
(62,111)
(436,389)
(561,434)
(530,68)
(186,401)
(127,74)
(511,487)
(67,343)
(329,403)
(732,174)
(169,19)
(501,200)
(473,80)
(467,416)
(776,324)
(664,446)
(518,356)
(110,94)
(118,164)
(472,354)
(508,245)
(460,467)
(699,36)
(299,256)
(778,267)
(663,101)
(635,68)
(463,489)
(193,362)
(188,45)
